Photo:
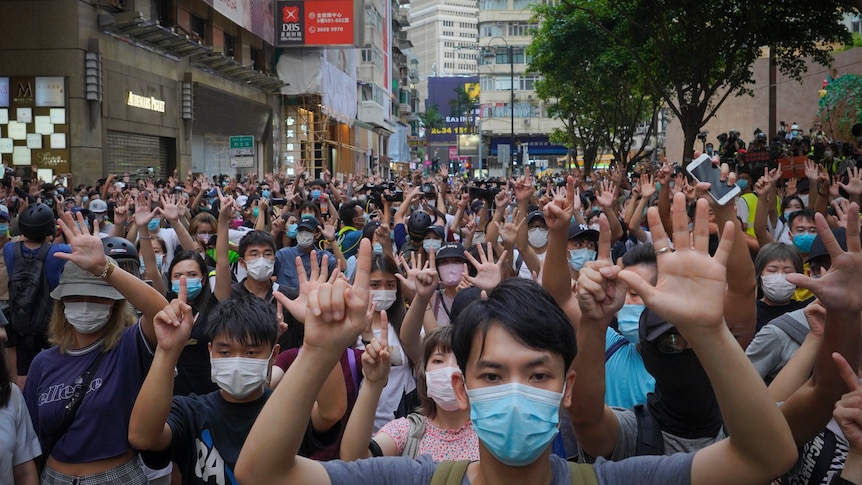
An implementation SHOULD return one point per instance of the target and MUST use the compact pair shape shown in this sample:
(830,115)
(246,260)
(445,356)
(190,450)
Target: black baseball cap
(309,224)
(583,231)
(451,251)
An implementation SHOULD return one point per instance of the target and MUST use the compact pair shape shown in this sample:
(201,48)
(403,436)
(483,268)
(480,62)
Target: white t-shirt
(18,440)
(400,382)
(524,271)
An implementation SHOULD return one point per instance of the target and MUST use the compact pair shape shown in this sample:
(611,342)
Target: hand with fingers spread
(853,187)
(647,184)
(687,274)
(422,278)
(87,251)
(308,283)
(790,187)
(601,293)
(143,212)
(845,271)
(509,230)
(488,273)
(607,190)
(558,214)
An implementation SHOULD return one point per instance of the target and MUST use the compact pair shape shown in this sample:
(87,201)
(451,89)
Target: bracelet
(109,269)
(145,237)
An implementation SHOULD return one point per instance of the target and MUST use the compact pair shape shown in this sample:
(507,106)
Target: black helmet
(36,222)
(123,252)
(418,224)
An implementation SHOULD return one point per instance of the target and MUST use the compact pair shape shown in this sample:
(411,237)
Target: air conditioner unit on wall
(526,121)
(500,24)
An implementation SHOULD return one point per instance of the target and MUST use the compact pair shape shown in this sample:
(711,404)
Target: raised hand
(848,411)
(853,187)
(308,284)
(607,190)
(600,292)
(375,360)
(558,213)
(488,273)
(687,274)
(170,209)
(87,251)
(524,187)
(509,230)
(647,184)
(833,289)
(790,188)
(173,324)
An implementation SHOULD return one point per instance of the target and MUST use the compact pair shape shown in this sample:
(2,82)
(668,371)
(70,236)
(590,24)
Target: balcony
(133,28)
(229,68)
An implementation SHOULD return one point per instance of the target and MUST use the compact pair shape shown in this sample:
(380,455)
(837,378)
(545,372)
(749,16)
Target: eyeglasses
(803,230)
(671,343)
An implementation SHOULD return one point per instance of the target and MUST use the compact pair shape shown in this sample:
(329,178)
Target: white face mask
(804,198)
(260,269)
(537,237)
(383,298)
(87,316)
(439,384)
(776,287)
(305,239)
(239,376)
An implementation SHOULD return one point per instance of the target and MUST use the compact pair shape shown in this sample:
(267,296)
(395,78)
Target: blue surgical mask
(742,183)
(515,422)
(627,321)
(265,193)
(84,200)
(803,241)
(193,285)
(367,217)
(787,214)
(255,211)
(291,230)
(4,229)
(306,216)
(153,225)
(429,244)
(315,194)
(377,248)
(579,257)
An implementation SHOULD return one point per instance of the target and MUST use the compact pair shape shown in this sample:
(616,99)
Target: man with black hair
(308,231)
(352,215)
(204,434)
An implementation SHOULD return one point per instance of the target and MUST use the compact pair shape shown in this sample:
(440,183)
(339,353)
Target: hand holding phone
(703,170)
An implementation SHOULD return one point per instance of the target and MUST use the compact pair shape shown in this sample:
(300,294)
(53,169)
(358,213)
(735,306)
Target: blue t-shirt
(399,234)
(285,266)
(627,381)
(100,429)
(53,265)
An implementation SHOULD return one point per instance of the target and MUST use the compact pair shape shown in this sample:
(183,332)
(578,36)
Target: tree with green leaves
(841,107)
(693,57)
(593,88)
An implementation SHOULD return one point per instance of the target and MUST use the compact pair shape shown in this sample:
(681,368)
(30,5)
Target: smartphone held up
(703,170)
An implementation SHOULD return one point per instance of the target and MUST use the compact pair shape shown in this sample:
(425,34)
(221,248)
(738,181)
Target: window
(198,26)
(448,43)
(448,33)
(449,55)
(449,65)
(493,4)
(228,44)
(448,23)
(524,4)
(491,30)
(521,29)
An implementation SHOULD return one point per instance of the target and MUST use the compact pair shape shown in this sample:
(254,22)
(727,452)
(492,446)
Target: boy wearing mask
(308,230)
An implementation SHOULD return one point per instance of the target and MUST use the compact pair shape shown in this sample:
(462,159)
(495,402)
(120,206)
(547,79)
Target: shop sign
(4,92)
(316,23)
(144,102)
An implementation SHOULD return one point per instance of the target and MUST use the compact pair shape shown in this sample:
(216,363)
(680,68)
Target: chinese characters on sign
(315,23)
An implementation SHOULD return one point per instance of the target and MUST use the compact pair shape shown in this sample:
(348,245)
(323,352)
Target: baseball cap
(652,326)
(309,224)
(451,250)
(818,249)
(535,214)
(583,231)
(436,230)
(98,206)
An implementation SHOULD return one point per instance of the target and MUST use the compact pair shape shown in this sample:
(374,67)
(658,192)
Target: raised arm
(171,210)
(760,446)
(423,277)
(142,217)
(331,401)
(223,279)
(557,278)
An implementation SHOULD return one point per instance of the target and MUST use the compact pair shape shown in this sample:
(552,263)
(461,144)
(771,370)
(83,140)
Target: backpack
(29,295)
(650,441)
(452,473)
(414,435)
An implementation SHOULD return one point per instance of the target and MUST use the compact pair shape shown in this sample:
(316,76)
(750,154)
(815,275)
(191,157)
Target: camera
(277,201)
(429,189)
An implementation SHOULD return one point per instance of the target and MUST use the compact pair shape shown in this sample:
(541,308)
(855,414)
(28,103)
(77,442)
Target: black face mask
(684,403)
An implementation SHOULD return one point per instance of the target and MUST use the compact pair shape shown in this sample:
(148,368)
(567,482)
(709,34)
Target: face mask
(383,298)
(627,321)
(193,286)
(366,217)
(537,237)
(4,229)
(305,239)
(239,376)
(742,184)
(153,225)
(159,258)
(315,194)
(450,274)
(803,241)
(429,244)
(84,200)
(291,230)
(804,198)
(255,211)
(594,227)
(793,133)
(787,214)
(515,422)
(709,151)
(205,237)
(439,385)
(377,248)
(776,287)
(306,216)
(259,269)
(579,257)
(86,316)
(265,194)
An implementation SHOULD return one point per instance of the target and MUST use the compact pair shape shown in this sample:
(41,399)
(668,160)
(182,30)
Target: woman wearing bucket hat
(81,391)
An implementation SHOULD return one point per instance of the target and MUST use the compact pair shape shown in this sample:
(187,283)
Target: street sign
(242,145)
(242,162)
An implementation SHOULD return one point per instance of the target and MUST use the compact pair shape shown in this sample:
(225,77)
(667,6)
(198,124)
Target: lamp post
(509,53)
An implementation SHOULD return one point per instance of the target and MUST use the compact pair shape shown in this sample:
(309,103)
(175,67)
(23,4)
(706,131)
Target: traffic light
(435,164)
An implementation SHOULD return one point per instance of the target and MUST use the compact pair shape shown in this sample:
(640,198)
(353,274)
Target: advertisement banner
(256,16)
(442,92)
(303,23)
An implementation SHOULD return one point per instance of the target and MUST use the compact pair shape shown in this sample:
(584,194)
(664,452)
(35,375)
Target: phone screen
(707,172)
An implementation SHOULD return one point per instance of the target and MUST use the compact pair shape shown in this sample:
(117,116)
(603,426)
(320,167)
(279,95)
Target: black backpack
(29,295)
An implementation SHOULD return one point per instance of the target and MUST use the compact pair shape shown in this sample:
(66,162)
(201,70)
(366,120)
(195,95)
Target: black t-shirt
(193,366)
(766,313)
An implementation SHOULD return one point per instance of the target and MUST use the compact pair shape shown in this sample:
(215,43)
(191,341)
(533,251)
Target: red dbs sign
(315,23)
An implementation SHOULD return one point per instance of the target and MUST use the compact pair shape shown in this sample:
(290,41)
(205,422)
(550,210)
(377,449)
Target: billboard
(304,23)
(442,93)
(255,16)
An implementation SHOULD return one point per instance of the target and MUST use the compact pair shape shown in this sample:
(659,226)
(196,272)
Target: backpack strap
(449,472)
(518,263)
(43,251)
(414,435)
(583,474)
(791,327)
(650,440)
(617,345)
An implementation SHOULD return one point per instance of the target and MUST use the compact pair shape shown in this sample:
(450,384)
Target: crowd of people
(612,327)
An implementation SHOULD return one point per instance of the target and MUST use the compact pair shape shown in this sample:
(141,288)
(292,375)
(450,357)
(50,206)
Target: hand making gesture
(488,273)
(601,293)
(375,360)
(308,284)
(174,323)
(87,251)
